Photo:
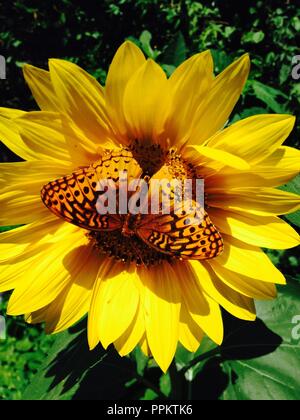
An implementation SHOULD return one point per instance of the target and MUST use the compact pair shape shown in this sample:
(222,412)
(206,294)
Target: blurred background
(88,33)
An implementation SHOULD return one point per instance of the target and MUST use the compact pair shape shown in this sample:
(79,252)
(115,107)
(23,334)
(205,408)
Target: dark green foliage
(21,355)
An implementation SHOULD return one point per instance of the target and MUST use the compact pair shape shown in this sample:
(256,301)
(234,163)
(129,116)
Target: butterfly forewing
(74,197)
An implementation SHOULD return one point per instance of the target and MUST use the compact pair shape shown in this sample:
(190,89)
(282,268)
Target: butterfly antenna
(137,251)
(139,255)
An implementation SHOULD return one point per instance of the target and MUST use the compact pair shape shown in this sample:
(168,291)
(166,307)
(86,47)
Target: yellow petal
(204,310)
(42,133)
(189,83)
(248,260)
(245,285)
(114,303)
(74,301)
(18,241)
(229,178)
(126,61)
(45,280)
(81,97)
(247,269)
(198,155)
(17,209)
(54,137)
(146,102)
(11,113)
(133,335)
(259,201)
(190,335)
(20,185)
(36,317)
(216,107)
(280,167)
(238,305)
(14,174)
(254,138)
(187,75)
(12,274)
(40,84)
(46,136)
(277,169)
(145,346)
(9,135)
(162,309)
(262,231)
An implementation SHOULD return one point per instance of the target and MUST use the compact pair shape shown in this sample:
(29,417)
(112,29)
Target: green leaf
(165,384)
(284,73)
(262,364)
(140,359)
(296,23)
(248,112)
(7,228)
(293,187)
(294,218)
(269,96)
(72,371)
(221,59)
(24,345)
(149,395)
(183,356)
(295,279)
(169,69)
(176,51)
(257,360)
(254,37)
(145,41)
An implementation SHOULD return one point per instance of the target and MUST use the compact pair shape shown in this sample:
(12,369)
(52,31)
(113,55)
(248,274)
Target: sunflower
(59,271)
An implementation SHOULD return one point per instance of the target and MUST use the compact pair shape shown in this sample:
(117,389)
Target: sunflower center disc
(122,248)
(150,157)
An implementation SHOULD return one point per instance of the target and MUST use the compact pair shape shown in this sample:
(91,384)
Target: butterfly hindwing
(186,234)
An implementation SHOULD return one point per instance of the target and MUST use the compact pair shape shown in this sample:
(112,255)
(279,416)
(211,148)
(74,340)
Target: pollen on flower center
(133,250)
(152,157)
(149,156)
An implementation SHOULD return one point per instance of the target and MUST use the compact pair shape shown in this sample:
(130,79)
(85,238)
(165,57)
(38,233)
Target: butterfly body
(128,226)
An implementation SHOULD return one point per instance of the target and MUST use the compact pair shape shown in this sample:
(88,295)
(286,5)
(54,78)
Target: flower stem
(201,358)
(177,382)
(150,385)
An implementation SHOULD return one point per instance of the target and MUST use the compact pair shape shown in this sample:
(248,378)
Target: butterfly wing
(186,234)
(74,197)
(186,231)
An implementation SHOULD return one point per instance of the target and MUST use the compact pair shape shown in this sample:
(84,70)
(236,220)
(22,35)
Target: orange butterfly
(74,198)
